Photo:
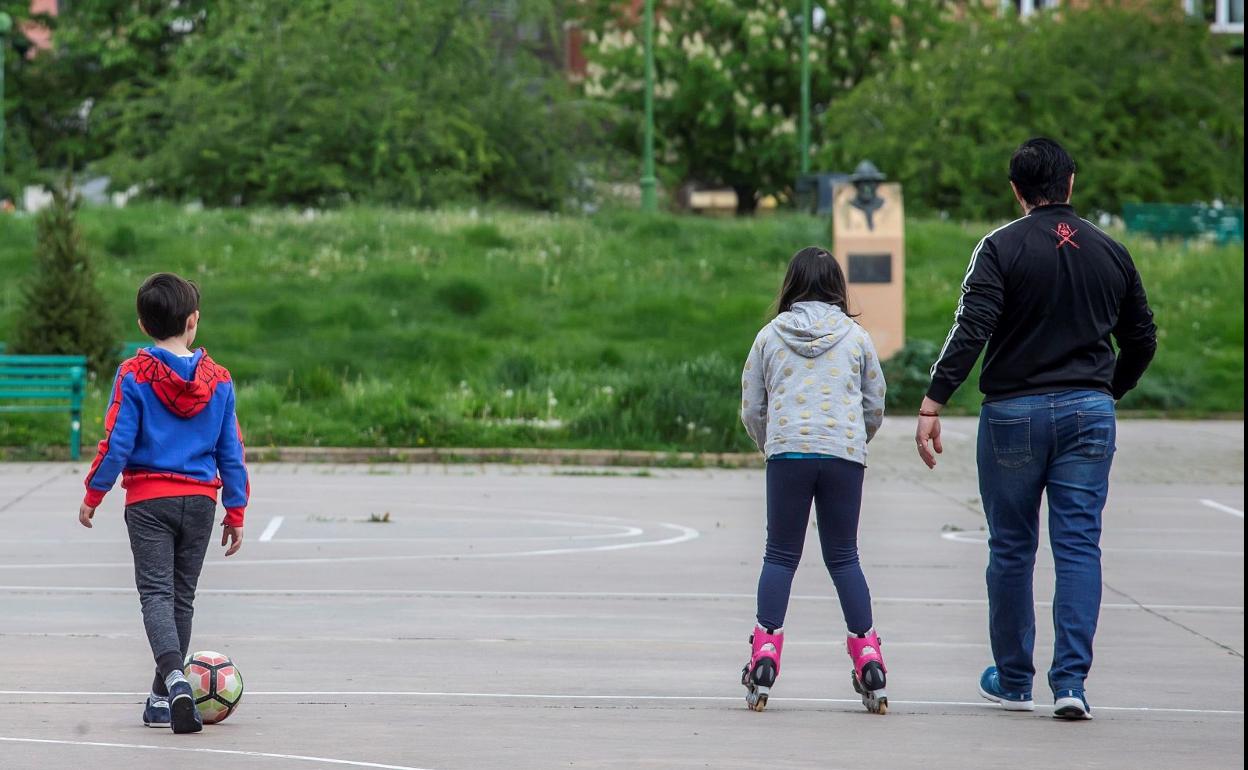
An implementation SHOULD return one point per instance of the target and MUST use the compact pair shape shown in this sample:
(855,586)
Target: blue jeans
(835,486)
(1061,444)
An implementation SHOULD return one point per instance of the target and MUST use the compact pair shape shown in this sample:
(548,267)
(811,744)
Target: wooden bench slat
(34,409)
(38,382)
(40,374)
(63,392)
(44,360)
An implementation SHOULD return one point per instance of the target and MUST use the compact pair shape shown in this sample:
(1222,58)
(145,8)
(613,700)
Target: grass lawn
(373,327)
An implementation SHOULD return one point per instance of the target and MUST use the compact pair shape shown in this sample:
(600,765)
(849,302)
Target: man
(1045,293)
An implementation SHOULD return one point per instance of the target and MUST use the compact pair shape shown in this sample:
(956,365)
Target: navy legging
(835,485)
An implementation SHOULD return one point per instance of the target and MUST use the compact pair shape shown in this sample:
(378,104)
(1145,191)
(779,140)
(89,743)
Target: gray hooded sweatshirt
(813,384)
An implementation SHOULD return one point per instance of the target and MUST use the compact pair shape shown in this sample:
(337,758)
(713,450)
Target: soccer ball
(216,683)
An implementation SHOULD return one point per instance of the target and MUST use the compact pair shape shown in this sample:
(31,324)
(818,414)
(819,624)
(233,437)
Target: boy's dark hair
(813,276)
(165,302)
(1041,170)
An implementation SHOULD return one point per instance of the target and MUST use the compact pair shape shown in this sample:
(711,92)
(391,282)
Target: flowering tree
(728,78)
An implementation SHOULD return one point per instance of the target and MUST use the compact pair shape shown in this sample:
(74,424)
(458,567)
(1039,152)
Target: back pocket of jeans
(1011,441)
(1096,434)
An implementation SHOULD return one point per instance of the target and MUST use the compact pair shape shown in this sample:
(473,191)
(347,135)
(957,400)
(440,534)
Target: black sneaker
(185,715)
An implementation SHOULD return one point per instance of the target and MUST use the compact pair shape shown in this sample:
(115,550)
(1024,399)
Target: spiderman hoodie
(171,431)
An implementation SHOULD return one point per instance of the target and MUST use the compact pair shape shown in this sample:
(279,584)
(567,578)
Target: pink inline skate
(869,671)
(760,673)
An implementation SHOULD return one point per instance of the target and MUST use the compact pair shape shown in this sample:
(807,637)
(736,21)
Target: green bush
(673,404)
(314,384)
(517,370)
(1148,103)
(122,241)
(464,297)
(908,374)
(486,236)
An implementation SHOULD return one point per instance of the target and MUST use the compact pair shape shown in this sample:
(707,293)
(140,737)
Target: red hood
(185,398)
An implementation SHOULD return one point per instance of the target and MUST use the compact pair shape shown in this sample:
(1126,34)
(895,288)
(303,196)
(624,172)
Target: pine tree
(62,310)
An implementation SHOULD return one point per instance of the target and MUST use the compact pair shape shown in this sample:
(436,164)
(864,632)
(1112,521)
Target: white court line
(602,697)
(230,752)
(980,537)
(1214,504)
(638,595)
(275,524)
(628,532)
(686,534)
(390,640)
(624,532)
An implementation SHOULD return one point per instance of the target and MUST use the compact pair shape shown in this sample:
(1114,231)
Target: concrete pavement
(535,617)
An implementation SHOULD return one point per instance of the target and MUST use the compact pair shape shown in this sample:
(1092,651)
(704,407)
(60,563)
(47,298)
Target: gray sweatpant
(169,537)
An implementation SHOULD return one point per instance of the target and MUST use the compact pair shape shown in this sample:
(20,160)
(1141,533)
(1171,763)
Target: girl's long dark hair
(813,276)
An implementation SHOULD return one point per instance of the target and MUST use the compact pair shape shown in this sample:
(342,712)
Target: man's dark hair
(165,302)
(813,276)
(1041,170)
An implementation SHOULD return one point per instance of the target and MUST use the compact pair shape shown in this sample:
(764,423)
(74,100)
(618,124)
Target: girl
(812,396)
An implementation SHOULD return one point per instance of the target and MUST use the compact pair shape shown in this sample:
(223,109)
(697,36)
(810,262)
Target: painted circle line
(1215,505)
(975,536)
(623,531)
(684,534)
(229,752)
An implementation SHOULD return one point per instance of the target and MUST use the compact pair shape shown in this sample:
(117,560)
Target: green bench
(1170,220)
(45,384)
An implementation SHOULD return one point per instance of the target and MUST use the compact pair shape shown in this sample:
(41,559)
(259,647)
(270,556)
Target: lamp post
(5,25)
(649,184)
(804,130)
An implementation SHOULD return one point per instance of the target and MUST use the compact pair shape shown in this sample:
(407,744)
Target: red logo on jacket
(1066,233)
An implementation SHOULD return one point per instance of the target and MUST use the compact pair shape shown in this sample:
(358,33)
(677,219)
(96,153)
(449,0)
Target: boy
(171,432)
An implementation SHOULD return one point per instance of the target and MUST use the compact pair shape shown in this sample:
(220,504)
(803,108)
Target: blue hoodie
(170,430)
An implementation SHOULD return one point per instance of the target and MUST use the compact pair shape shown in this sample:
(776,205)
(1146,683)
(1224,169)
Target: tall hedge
(1150,104)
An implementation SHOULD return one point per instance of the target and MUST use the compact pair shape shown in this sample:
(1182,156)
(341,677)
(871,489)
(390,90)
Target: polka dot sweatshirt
(813,384)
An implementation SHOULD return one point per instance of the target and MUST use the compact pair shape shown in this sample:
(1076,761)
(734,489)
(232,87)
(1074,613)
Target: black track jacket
(1046,292)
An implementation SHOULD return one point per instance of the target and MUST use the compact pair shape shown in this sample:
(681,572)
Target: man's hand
(85,512)
(929,431)
(233,536)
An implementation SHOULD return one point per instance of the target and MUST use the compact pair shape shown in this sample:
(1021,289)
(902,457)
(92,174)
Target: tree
(319,103)
(62,310)
(728,78)
(1145,100)
(104,53)
(268,101)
